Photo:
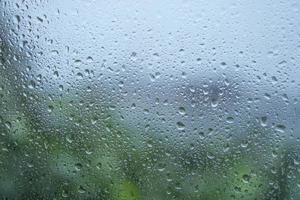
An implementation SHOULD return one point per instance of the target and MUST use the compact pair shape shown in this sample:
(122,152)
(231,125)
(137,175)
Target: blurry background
(150,99)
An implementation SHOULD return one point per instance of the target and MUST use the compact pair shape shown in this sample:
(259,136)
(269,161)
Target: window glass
(150,100)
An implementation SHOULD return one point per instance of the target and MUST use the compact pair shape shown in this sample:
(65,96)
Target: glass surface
(150,100)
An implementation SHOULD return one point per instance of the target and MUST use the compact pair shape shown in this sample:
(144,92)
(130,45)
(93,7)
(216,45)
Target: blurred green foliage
(53,148)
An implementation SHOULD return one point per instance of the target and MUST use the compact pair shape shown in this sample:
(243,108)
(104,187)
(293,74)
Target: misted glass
(150,100)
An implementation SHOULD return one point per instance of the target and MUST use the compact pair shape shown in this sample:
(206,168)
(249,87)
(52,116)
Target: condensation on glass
(150,100)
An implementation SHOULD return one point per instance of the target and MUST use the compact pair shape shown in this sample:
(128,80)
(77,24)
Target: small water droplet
(64,194)
(263,121)
(17,19)
(244,144)
(133,56)
(50,109)
(89,59)
(182,110)
(8,125)
(214,102)
(99,165)
(280,128)
(81,190)
(79,75)
(133,106)
(230,120)
(223,65)
(180,126)
(77,62)
(31,84)
(78,166)
(267,96)
(274,80)
(246,178)
(55,73)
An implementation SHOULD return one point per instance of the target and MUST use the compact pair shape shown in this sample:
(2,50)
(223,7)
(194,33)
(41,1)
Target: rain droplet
(17,19)
(229,120)
(246,178)
(99,165)
(8,125)
(263,121)
(214,102)
(223,65)
(78,166)
(89,59)
(133,56)
(280,128)
(79,75)
(182,110)
(180,126)
(81,190)
(31,84)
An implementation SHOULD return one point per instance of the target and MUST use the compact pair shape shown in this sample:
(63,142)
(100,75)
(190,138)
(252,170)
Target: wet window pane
(150,100)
